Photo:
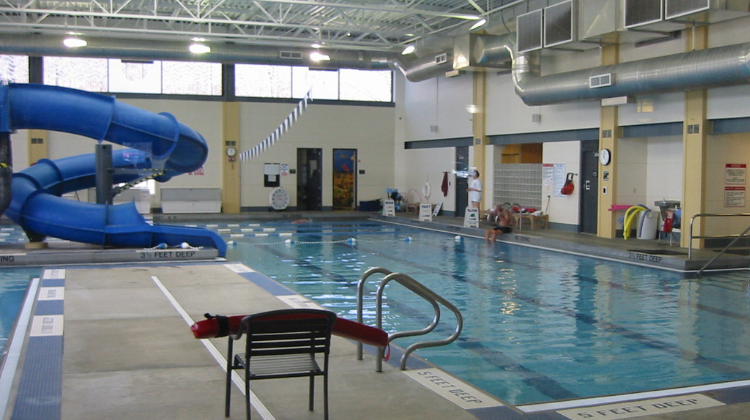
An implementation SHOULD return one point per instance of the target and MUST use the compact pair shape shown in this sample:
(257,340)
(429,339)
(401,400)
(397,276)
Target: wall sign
(734,196)
(735,173)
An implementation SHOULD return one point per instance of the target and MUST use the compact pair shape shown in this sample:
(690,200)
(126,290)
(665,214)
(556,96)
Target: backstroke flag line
(283,128)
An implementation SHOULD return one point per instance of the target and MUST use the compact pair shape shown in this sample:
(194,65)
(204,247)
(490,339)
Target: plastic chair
(286,343)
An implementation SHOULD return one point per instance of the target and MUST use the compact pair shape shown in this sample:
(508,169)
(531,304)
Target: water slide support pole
(104,174)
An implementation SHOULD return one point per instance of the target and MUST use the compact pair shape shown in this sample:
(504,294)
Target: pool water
(13,285)
(539,325)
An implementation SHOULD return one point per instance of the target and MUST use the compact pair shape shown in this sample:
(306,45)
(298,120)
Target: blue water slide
(156,141)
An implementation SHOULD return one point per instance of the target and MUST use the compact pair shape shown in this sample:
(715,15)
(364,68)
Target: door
(462,183)
(589,212)
(309,179)
(344,179)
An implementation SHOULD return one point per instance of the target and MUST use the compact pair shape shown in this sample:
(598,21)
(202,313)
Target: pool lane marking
(533,408)
(642,408)
(16,344)
(256,402)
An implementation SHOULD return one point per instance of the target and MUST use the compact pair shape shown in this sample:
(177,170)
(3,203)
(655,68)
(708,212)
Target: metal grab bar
(690,242)
(422,292)
(724,250)
(360,298)
(429,296)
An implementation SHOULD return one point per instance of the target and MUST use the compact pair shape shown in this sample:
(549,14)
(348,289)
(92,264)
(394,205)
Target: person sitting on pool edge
(502,218)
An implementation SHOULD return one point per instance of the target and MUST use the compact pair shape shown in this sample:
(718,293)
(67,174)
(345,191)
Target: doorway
(589,212)
(462,184)
(309,179)
(344,179)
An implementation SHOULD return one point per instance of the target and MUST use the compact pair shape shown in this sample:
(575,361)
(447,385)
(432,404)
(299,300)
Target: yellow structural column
(479,128)
(38,145)
(230,136)
(609,133)
(694,149)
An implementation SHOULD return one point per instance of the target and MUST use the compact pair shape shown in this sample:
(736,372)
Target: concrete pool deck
(118,347)
(128,353)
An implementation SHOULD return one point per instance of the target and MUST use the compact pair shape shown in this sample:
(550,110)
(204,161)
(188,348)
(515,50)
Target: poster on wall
(553,175)
(735,173)
(734,196)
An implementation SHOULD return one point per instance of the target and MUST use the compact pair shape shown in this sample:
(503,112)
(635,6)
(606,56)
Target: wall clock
(279,199)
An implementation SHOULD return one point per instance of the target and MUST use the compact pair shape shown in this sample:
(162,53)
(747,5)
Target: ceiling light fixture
(478,24)
(408,50)
(198,48)
(316,45)
(316,56)
(74,42)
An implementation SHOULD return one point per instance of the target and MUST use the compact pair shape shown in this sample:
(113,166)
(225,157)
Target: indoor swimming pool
(539,325)
(13,284)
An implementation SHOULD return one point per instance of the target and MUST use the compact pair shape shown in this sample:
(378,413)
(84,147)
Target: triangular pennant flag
(285,126)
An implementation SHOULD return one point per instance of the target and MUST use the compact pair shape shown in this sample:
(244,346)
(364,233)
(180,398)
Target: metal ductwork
(38,45)
(427,67)
(702,69)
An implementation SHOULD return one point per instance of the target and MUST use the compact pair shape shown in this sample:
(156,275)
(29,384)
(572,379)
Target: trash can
(647,224)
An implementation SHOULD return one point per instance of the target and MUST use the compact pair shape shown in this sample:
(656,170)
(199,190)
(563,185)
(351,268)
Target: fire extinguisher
(569,187)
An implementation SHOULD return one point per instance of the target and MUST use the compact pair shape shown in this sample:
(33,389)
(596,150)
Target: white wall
(369,130)
(665,169)
(440,102)
(507,114)
(563,209)
(428,165)
(632,171)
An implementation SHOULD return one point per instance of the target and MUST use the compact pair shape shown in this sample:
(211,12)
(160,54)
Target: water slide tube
(158,141)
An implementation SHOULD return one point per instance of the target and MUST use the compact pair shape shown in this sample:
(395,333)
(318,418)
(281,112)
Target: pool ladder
(433,298)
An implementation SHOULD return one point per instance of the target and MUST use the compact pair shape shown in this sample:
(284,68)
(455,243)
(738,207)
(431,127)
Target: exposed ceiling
(381,26)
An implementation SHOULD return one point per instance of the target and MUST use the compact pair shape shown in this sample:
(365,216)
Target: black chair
(286,343)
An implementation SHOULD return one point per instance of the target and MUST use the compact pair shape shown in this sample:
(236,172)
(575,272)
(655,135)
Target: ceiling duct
(701,69)
(426,67)
(705,11)
(530,29)
(39,45)
(675,15)
(561,27)
(602,21)
(473,52)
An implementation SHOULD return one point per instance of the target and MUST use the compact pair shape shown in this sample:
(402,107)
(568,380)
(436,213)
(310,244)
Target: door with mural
(344,179)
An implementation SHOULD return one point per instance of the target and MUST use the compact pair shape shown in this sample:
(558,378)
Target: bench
(191,200)
(532,219)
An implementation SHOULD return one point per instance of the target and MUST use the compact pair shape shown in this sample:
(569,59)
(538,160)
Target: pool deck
(112,341)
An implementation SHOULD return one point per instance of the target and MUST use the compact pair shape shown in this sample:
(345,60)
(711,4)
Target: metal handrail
(729,245)
(429,296)
(360,298)
(692,220)
(422,291)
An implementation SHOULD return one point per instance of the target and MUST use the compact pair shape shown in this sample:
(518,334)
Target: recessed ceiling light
(478,24)
(74,42)
(408,50)
(199,48)
(316,56)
